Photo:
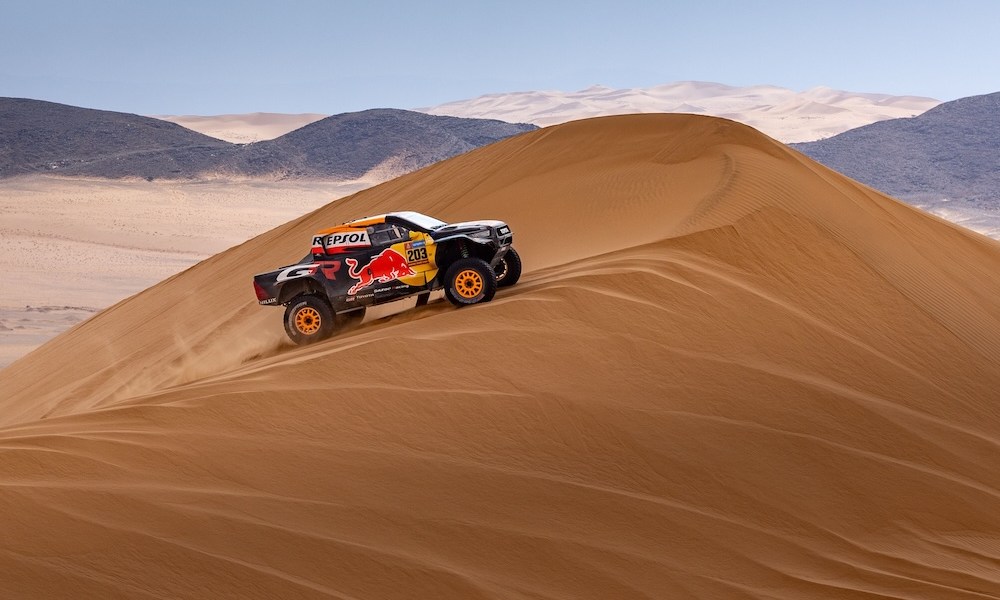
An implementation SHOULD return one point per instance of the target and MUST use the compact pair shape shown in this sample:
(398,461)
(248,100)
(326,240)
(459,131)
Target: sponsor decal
(382,268)
(268,301)
(347,239)
(504,230)
(416,253)
(296,272)
(330,269)
(336,243)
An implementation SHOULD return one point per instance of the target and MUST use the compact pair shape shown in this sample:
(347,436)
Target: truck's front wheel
(470,281)
(508,270)
(309,319)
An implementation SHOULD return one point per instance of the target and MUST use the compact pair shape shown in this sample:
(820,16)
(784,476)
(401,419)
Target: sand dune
(728,372)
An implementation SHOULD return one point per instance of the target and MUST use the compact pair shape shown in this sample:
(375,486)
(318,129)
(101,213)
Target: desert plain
(728,372)
(71,247)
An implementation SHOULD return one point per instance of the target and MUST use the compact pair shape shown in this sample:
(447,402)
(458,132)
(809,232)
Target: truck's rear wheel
(469,281)
(309,319)
(508,270)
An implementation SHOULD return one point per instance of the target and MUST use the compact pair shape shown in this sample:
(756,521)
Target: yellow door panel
(419,255)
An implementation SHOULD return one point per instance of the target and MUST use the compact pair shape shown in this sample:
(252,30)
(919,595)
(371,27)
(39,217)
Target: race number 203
(416,255)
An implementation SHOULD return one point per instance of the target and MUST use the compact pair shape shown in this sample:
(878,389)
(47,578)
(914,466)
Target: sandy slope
(728,373)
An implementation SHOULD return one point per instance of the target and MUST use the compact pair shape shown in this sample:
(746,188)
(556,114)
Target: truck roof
(403,217)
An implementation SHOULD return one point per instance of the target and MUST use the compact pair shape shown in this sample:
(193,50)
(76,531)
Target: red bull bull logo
(383,268)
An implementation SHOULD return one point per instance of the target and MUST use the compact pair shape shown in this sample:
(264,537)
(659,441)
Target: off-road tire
(309,319)
(508,270)
(469,281)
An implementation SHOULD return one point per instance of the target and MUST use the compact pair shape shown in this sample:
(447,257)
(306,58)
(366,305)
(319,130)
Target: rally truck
(381,259)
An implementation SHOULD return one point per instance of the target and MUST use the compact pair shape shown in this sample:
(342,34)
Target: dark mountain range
(45,137)
(951,151)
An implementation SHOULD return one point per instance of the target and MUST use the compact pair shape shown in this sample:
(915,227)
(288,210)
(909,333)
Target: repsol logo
(347,238)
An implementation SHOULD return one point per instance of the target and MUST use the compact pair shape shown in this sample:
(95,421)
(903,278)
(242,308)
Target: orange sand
(728,372)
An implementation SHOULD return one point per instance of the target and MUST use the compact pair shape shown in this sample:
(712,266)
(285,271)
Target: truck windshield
(422,221)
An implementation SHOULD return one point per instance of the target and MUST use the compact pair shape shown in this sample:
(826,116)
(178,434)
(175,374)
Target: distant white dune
(245,128)
(784,114)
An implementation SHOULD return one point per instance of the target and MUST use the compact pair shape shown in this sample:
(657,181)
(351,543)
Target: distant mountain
(38,136)
(950,152)
(44,137)
(350,145)
(783,114)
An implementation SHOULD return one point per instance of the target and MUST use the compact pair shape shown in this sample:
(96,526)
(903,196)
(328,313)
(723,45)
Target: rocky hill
(45,137)
(952,151)
(347,146)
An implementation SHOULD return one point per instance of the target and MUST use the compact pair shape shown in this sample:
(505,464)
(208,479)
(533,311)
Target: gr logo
(348,238)
(296,272)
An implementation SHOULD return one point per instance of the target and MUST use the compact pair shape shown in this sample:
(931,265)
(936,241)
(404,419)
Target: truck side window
(385,234)
(378,235)
(398,234)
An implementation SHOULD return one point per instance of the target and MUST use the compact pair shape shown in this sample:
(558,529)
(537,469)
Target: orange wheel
(308,320)
(469,283)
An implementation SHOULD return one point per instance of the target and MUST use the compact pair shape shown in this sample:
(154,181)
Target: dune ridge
(728,372)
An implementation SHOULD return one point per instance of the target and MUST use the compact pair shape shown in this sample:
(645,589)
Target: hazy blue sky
(211,57)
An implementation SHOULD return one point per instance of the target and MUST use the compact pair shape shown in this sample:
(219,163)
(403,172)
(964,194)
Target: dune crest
(727,372)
